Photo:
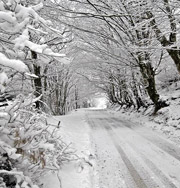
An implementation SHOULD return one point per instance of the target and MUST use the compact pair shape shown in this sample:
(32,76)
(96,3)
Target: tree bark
(37,81)
(138,99)
(148,75)
(175,55)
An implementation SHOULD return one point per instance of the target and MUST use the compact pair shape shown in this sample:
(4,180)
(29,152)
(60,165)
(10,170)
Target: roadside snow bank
(75,173)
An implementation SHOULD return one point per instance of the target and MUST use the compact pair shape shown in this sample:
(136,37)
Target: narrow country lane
(131,156)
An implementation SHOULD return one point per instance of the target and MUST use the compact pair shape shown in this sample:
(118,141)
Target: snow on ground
(166,122)
(76,174)
(109,167)
(116,150)
(99,164)
(130,155)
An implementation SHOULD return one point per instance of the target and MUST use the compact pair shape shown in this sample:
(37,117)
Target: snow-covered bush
(28,143)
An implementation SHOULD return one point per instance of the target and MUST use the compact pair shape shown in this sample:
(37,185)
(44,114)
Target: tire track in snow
(132,171)
(150,164)
(103,123)
(122,173)
(135,175)
(112,126)
(158,141)
(156,171)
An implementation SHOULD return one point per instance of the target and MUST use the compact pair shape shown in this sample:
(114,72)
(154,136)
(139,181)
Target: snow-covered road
(128,155)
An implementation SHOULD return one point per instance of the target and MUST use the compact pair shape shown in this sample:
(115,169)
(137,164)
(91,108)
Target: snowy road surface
(123,154)
(131,156)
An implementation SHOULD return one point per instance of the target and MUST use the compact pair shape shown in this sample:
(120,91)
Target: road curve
(131,156)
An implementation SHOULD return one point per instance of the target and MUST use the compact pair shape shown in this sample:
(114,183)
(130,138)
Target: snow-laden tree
(163,17)
(58,85)
(25,38)
(122,33)
(18,24)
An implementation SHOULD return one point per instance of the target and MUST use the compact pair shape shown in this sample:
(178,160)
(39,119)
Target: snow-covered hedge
(29,145)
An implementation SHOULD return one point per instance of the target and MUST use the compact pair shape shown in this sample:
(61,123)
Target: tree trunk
(76,97)
(148,75)
(175,55)
(37,81)
(138,99)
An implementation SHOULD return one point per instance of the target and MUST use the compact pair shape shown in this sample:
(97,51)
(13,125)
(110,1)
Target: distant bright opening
(100,102)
